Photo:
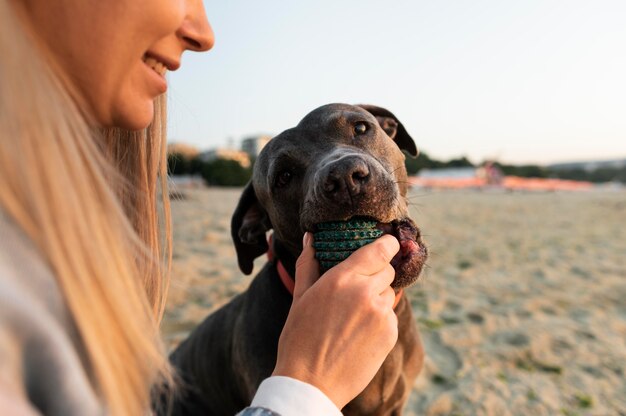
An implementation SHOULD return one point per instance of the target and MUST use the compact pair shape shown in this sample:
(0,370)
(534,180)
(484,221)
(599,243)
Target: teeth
(157,66)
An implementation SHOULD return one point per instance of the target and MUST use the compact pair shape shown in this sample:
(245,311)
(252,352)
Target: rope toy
(336,240)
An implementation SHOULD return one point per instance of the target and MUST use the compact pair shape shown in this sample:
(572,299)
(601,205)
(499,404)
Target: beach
(521,308)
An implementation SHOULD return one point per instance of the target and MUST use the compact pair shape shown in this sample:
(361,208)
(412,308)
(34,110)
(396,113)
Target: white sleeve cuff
(290,397)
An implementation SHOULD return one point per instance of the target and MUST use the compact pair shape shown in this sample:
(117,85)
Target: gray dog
(339,162)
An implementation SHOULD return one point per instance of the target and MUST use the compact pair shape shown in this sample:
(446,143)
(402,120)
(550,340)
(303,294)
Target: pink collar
(288,281)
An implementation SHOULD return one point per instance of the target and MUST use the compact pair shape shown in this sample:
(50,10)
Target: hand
(341,326)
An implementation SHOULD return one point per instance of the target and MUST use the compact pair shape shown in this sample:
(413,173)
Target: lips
(157,66)
(411,257)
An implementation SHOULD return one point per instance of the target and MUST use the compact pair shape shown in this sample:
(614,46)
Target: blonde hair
(88,200)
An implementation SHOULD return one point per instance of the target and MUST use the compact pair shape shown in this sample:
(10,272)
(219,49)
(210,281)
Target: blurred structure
(490,173)
(590,165)
(489,176)
(186,150)
(238,156)
(254,144)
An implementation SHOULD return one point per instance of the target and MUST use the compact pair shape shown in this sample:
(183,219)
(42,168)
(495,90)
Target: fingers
(307,267)
(382,280)
(388,297)
(352,301)
(371,260)
(373,257)
(393,327)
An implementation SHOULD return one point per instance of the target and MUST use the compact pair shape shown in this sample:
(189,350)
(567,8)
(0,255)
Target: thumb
(307,267)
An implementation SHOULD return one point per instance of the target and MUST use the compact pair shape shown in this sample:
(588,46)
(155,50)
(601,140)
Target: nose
(195,31)
(346,179)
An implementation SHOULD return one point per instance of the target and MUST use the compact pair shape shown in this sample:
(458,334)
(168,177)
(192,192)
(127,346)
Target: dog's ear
(392,126)
(247,228)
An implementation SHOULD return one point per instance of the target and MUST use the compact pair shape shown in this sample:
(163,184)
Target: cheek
(127,97)
(118,88)
(167,15)
(109,78)
(401,177)
(287,213)
(131,105)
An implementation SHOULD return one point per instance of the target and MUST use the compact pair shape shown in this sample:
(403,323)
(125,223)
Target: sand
(522,307)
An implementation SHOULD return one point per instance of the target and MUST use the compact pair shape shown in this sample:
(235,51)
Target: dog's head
(341,161)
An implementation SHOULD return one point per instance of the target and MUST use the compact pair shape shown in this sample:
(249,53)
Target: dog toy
(336,240)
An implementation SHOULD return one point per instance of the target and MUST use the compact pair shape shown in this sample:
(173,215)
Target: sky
(525,81)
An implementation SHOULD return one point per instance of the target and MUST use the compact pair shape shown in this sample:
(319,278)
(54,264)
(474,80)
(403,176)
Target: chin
(137,118)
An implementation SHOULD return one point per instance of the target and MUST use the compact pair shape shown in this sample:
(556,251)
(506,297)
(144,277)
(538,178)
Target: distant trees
(605,174)
(423,161)
(219,172)
(413,166)
(525,171)
(177,164)
(597,175)
(225,172)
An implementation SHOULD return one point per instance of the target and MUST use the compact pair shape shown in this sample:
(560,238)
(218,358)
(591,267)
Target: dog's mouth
(411,257)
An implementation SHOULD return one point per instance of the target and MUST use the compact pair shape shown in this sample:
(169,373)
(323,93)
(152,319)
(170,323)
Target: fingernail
(306,240)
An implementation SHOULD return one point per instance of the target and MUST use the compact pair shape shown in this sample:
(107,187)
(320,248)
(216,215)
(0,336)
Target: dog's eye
(283,178)
(360,128)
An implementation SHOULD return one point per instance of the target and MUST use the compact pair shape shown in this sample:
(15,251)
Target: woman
(82,275)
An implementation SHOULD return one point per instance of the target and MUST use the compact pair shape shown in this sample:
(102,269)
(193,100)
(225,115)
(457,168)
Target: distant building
(448,173)
(229,154)
(589,165)
(184,149)
(489,177)
(490,173)
(253,145)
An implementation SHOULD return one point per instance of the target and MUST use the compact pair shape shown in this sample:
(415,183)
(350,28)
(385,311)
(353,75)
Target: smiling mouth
(155,65)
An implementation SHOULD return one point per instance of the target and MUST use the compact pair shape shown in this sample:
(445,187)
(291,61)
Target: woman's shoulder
(24,275)
(39,349)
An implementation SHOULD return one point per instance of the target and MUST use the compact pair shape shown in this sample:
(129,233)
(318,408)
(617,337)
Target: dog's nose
(346,178)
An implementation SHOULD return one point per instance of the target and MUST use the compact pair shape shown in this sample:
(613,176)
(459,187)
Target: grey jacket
(41,359)
(42,362)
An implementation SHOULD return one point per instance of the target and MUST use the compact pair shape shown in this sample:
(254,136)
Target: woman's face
(118,51)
